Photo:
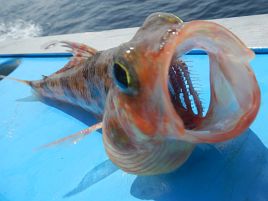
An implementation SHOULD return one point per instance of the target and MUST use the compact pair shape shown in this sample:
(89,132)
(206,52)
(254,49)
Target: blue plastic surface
(235,170)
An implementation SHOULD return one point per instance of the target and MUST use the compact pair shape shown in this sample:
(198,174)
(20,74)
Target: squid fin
(74,138)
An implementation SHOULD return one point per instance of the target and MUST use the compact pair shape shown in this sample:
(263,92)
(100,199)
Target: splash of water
(19,29)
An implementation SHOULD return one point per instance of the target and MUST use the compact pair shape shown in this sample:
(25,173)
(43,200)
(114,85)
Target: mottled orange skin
(84,81)
(148,120)
(146,130)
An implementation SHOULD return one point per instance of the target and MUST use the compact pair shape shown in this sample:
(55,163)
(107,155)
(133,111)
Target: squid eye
(121,76)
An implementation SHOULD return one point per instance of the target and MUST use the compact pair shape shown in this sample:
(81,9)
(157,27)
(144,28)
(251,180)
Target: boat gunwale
(256,50)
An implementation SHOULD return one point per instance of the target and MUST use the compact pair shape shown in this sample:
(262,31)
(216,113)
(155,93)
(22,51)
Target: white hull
(252,30)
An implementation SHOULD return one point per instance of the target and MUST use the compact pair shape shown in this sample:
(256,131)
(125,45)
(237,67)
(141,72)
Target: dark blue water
(50,17)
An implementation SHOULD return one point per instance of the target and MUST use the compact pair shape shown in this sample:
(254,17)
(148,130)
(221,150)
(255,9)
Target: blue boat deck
(234,170)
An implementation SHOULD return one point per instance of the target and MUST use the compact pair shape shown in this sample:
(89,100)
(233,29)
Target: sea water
(29,18)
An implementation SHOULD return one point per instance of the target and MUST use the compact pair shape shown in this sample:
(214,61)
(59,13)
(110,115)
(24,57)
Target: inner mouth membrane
(233,89)
(189,87)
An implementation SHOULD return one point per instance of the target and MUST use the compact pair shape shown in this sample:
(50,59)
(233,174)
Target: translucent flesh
(235,95)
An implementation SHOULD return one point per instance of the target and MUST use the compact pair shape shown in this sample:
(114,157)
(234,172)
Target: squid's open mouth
(234,92)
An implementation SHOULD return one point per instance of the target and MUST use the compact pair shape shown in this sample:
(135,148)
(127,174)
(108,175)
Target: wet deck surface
(235,170)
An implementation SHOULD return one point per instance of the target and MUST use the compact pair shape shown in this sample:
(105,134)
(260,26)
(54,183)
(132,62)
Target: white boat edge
(252,30)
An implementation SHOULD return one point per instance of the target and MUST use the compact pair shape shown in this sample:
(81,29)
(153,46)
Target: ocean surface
(30,18)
